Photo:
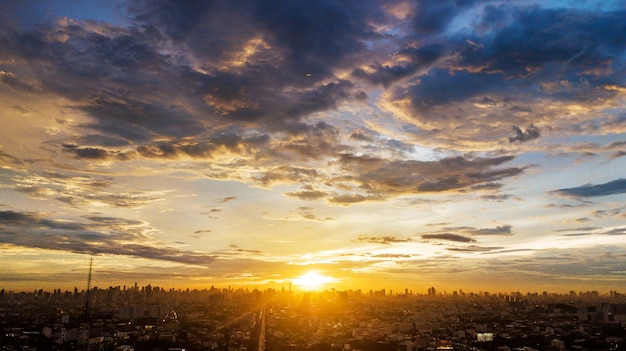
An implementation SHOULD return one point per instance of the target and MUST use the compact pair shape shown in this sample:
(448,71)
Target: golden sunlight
(312,280)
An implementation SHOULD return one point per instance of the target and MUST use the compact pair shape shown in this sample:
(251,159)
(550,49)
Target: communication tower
(88,292)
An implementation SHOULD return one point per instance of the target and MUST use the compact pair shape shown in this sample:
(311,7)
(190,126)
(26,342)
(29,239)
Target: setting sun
(312,280)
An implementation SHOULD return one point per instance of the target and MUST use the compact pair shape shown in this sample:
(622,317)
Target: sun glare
(312,280)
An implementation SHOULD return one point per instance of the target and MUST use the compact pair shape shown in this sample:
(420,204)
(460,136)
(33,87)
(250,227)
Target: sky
(459,144)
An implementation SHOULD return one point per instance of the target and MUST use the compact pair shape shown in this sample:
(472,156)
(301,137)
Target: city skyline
(397,144)
(147,317)
(300,290)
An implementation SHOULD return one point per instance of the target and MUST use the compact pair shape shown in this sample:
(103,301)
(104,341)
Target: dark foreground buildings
(152,318)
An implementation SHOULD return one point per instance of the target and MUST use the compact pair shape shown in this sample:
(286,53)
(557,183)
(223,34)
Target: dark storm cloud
(418,58)
(135,120)
(102,140)
(298,44)
(432,17)
(251,97)
(321,34)
(386,240)
(536,36)
(531,133)
(441,87)
(12,81)
(192,79)
(98,235)
(178,19)
(117,75)
(311,33)
(448,237)
(611,188)
(139,82)
(382,176)
(16,218)
(325,97)
(87,152)
(528,51)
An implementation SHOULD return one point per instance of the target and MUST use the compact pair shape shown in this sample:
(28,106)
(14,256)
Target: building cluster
(153,318)
(484,321)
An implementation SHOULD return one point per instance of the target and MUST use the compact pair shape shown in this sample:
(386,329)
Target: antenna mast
(87,298)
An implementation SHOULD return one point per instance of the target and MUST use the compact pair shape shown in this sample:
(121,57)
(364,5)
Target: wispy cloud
(78,190)
(96,235)
(448,237)
(386,240)
(614,187)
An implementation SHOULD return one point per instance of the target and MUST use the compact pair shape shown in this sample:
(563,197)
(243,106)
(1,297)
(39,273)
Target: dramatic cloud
(611,188)
(382,177)
(496,58)
(531,133)
(97,235)
(448,237)
(413,59)
(465,234)
(12,81)
(434,17)
(261,137)
(78,190)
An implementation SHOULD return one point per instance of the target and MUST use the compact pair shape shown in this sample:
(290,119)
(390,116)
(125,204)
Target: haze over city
(328,144)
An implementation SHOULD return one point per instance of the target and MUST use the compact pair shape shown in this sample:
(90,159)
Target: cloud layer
(379,136)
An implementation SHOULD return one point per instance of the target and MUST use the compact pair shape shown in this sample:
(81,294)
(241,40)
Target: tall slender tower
(88,292)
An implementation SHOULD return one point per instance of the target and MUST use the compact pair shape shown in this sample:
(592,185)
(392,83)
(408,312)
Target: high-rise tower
(88,292)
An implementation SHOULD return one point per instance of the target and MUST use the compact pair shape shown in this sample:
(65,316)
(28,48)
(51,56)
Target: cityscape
(155,318)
